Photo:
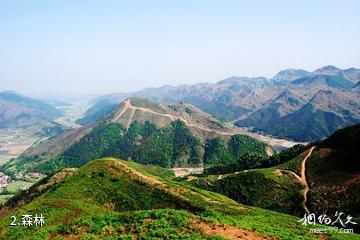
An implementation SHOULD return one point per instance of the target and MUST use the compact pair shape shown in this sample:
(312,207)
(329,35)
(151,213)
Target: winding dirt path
(133,110)
(128,105)
(302,178)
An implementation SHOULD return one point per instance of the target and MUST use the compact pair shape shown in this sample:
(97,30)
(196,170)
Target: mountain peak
(288,75)
(200,123)
(328,70)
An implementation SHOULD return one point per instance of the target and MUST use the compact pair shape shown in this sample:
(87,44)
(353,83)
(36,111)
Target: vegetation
(148,144)
(315,124)
(145,143)
(248,153)
(338,81)
(217,151)
(284,156)
(332,173)
(225,111)
(264,188)
(109,199)
(239,149)
(336,159)
(146,103)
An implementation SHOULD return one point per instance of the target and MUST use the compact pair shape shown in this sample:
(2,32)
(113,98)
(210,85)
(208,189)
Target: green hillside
(114,199)
(332,172)
(265,188)
(146,144)
(306,124)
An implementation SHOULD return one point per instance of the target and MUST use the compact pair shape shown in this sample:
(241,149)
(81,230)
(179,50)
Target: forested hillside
(148,144)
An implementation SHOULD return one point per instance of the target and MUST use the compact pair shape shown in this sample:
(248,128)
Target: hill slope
(109,198)
(310,108)
(302,183)
(20,111)
(147,132)
(201,124)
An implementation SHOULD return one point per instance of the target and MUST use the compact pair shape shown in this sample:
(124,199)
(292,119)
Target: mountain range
(148,132)
(111,179)
(17,110)
(320,102)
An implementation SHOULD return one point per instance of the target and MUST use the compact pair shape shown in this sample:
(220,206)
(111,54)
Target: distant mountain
(289,75)
(99,110)
(148,132)
(323,81)
(264,104)
(352,74)
(227,99)
(310,108)
(17,110)
(328,70)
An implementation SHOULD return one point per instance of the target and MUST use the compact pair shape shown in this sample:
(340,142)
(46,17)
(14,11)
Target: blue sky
(95,47)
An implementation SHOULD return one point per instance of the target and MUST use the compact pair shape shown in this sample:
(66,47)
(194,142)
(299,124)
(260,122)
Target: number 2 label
(13,223)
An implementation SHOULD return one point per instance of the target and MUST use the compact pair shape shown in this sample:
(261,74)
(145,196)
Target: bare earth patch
(324,152)
(57,177)
(228,231)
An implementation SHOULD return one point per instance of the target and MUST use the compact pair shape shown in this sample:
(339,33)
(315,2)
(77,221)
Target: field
(72,113)
(14,141)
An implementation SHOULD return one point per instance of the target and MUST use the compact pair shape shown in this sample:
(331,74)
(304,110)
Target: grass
(151,170)
(263,188)
(4,198)
(106,200)
(145,103)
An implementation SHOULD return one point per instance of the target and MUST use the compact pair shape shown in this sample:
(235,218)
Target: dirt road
(128,105)
(302,178)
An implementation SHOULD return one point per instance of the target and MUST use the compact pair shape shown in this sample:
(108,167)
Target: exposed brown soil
(128,105)
(57,177)
(228,231)
(324,152)
(301,178)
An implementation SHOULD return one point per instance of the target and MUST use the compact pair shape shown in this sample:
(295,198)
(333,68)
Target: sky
(80,47)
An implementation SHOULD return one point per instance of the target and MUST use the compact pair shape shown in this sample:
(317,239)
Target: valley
(16,140)
(71,113)
(276,143)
